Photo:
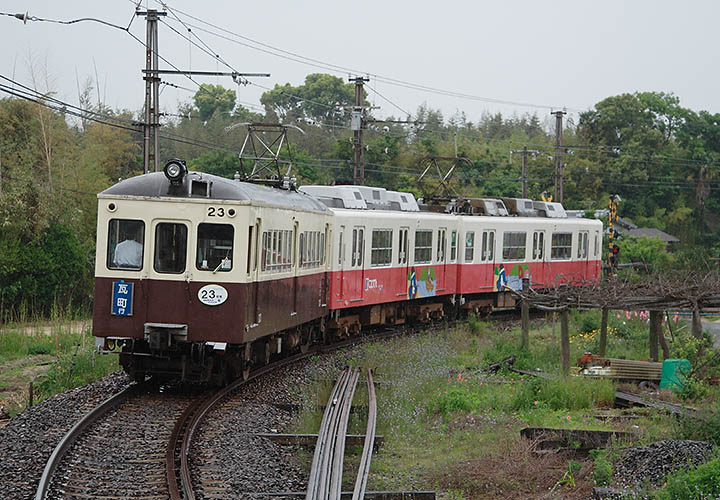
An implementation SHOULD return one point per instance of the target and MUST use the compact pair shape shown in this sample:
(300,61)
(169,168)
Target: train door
(252,273)
(487,258)
(402,261)
(324,245)
(295,263)
(538,257)
(340,283)
(441,258)
(356,275)
(582,254)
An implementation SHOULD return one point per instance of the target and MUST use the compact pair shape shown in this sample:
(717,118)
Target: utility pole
(558,156)
(357,124)
(152,91)
(523,177)
(151,75)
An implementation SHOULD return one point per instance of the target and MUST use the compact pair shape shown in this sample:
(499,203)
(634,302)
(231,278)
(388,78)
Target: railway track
(150,434)
(132,429)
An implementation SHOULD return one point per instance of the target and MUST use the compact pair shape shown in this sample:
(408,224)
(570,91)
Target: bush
(701,483)
(704,426)
(573,393)
(454,400)
(603,469)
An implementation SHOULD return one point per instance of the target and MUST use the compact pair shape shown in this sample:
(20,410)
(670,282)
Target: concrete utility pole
(524,152)
(357,124)
(558,156)
(152,91)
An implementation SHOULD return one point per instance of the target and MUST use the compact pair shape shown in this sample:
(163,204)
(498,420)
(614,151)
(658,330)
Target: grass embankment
(450,426)
(56,357)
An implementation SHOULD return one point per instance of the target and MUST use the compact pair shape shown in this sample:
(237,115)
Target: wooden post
(525,314)
(565,340)
(663,342)
(696,323)
(655,325)
(603,331)
(30,394)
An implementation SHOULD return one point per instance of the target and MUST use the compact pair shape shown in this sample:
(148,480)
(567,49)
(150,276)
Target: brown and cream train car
(200,276)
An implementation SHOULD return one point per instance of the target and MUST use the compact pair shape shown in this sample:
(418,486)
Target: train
(203,278)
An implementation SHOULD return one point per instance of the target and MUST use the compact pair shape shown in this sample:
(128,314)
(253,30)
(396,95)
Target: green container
(674,372)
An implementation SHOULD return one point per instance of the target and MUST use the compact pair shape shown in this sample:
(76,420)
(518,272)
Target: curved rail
(364,467)
(326,472)
(72,435)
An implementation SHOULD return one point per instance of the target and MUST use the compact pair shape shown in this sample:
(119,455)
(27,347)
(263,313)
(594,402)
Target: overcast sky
(541,53)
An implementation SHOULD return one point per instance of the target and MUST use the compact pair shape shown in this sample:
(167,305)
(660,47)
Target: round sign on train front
(212,295)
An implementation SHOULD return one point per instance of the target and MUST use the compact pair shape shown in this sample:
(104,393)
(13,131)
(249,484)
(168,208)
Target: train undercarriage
(164,353)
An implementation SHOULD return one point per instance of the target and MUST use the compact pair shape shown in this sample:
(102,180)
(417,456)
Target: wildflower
(535,403)
(568,417)
(58,367)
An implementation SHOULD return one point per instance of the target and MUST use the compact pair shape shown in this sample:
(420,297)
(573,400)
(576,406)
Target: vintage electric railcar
(202,277)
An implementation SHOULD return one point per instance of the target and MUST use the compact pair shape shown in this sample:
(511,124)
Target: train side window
(597,243)
(340,245)
(423,246)
(582,245)
(469,246)
(491,246)
(215,247)
(381,249)
(514,245)
(483,248)
(126,241)
(561,246)
(170,248)
(453,246)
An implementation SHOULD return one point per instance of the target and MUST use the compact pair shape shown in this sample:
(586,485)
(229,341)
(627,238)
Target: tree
(211,99)
(321,98)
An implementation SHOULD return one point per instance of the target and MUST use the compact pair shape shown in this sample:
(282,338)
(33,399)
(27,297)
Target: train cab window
(514,245)
(215,247)
(126,241)
(561,246)
(469,246)
(170,248)
(423,246)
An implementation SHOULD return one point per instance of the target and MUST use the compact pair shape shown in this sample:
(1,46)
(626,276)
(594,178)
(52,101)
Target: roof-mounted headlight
(175,170)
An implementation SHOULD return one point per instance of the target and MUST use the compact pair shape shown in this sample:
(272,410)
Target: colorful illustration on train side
(513,280)
(422,285)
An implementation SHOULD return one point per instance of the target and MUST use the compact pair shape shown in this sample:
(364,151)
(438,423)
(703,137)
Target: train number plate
(212,295)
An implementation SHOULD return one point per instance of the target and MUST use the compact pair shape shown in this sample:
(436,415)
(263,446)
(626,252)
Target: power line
(278,52)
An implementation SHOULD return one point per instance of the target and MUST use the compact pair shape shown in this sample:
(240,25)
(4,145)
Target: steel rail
(74,433)
(364,466)
(336,471)
(317,483)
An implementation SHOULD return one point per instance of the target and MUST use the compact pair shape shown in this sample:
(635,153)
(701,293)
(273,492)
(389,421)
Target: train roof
(198,185)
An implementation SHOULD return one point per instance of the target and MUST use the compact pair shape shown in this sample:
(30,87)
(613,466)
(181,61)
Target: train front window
(170,248)
(215,247)
(126,241)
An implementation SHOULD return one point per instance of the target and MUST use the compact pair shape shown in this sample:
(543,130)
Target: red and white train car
(203,277)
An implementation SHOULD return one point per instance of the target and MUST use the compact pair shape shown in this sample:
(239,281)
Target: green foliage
(573,393)
(652,252)
(42,271)
(219,163)
(700,483)
(211,99)
(602,466)
(704,426)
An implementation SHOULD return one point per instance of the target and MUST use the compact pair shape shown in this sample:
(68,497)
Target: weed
(703,427)
(701,483)
(573,393)
(603,469)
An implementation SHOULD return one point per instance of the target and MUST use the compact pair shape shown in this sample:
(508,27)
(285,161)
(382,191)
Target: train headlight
(175,170)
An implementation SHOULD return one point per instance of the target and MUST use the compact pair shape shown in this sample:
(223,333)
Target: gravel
(648,465)
(28,440)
